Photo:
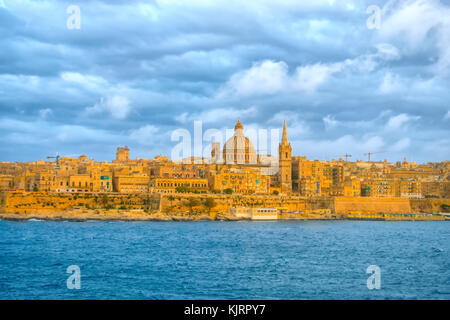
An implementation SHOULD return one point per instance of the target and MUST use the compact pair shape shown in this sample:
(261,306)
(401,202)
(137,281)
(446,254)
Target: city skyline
(271,140)
(342,87)
(232,166)
(376,156)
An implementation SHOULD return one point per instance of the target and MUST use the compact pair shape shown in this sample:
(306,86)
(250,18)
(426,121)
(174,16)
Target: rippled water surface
(224,260)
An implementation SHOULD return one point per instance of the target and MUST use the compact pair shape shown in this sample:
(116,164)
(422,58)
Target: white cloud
(118,106)
(270,77)
(391,83)
(330,121)
(217,115)
(370,61)
(42,132)
(400,145)
(414,22)
(44,113)
(266,77)
(309,78)
(401,120)
(149,11)
(144,135)
(387,51)
(85,80)
(296,127)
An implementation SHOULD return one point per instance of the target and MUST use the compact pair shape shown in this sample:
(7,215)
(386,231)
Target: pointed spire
(284,140)
(238,125)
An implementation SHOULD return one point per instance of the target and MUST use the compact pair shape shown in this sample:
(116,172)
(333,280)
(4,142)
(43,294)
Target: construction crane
(346,156)
(56,159)
(368,154)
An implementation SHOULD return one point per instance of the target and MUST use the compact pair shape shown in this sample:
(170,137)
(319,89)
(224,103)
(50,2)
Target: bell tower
(285,163)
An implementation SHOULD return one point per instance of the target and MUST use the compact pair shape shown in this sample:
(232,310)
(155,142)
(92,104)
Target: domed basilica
(239,149)
(238,152)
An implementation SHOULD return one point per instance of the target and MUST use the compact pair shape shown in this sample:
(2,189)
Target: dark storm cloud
(137,70)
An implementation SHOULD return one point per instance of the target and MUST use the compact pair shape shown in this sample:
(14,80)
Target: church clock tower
(285,163)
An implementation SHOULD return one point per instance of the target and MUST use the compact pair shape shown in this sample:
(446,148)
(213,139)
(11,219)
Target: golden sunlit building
(409,188)
(245,180)
(352,188)
(285,163)
(179,185)
(237,168)
(6,182)
(136,183)
(239,149)
(171,170)
(123,154)
(378,188)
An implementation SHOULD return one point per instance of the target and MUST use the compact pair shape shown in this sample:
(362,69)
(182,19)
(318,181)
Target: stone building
(285,163)
(238,179)
(123,154)
(238,149)
(182,185)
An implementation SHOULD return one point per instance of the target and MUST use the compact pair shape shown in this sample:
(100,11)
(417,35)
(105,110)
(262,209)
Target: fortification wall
(2,200)
(24,202)
(430,205)
(180,202)
(344,205)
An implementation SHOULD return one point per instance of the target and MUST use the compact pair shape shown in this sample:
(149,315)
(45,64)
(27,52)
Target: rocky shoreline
(97,215)
(141,215)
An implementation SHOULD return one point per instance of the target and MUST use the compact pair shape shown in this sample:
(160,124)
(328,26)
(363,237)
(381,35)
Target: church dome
(239,149)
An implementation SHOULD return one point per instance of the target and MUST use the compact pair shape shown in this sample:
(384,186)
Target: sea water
(225,260)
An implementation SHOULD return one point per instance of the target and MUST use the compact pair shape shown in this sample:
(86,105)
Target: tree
(182,189)
(104,200)
(171,199)
(191,203)
(2,197)
(228,191)
(146,202)
(209,203)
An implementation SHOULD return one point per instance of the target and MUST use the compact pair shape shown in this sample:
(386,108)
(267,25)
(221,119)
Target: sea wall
(430,205)
(28,202)
(221,203)
(23,202)
(345,205)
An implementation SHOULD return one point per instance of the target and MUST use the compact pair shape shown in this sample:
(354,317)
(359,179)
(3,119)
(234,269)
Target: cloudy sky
(136,71)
